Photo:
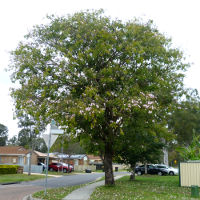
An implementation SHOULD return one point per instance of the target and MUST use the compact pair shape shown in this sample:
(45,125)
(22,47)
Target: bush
(8,169)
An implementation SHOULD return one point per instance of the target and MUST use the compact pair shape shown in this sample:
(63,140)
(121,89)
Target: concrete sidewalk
(84,193)
(43,174)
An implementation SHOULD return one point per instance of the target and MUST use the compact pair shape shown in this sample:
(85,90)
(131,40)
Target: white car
(171,171)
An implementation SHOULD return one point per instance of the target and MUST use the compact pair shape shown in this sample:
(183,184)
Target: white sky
(178,19)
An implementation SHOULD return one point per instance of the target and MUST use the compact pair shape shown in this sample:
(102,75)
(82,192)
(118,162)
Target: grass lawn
(8,178)
(56,193)
(145,187)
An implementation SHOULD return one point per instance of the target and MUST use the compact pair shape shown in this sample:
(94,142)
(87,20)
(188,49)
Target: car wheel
(65,170)
(171,173)
(160,173)
(51,169)
(139,173)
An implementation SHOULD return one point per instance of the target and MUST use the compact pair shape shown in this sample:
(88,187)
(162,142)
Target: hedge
(8,169)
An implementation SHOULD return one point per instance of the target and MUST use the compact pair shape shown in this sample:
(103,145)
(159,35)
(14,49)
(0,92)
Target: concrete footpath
(84,193)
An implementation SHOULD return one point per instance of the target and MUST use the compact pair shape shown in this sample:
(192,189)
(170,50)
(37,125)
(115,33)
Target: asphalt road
(18,191)
(66,180)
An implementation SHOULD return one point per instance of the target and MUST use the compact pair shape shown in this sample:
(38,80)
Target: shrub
(8,169)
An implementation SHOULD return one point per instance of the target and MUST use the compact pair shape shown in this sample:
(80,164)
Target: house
(19,155)
(95,160)
(39,157)
(13,155)
(76,159)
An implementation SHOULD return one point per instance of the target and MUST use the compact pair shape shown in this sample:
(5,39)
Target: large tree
(3,135)
(93,73)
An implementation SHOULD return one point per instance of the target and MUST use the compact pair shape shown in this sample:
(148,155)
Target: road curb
(29,197)
(10,183)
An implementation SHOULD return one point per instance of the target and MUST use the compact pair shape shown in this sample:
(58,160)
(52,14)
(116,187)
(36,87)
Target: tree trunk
(29,166)
(132,176)
(165,156)
(145,168)
(109,177)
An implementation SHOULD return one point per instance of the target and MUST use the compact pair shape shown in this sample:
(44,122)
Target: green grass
(8,178)
(56,193)
(144,187)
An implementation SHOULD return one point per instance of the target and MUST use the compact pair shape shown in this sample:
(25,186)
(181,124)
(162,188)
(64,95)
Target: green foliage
(3,135)
(95,74)
(141,144)
(28,136)
(192,151)
(8,169)
(13,141)
(185,119)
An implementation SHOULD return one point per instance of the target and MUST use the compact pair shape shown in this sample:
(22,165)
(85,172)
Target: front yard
(148,187)
(11,178)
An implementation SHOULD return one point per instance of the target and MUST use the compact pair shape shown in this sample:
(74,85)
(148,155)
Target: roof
(40,154)
(92,157)
(13,150)
(67,156)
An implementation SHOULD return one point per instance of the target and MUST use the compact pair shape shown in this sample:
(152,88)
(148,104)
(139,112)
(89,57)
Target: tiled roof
(13,150)
(92,157)
(40,154)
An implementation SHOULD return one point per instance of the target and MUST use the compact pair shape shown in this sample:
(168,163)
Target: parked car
(59,167)
(43,165)
(151,169)
(171,171)
(71,167)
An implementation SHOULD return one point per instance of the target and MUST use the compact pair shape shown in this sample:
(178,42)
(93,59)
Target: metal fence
(34,168)
(189,173)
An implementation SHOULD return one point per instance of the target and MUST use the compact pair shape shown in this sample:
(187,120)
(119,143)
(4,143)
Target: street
(18,191)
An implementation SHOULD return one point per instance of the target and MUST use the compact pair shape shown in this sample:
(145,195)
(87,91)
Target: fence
(84,167)
(34,168)
(189,173)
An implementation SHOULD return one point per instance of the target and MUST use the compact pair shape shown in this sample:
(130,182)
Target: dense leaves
(192,151)
(184,120)
(94,74)
(3,135)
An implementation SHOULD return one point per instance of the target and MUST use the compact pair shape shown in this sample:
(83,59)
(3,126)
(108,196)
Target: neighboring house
(13,155)
(76,159)
(19,155)
(38,157)
(95,160)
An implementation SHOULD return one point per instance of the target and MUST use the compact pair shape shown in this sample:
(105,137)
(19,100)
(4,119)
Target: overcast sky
(178,19)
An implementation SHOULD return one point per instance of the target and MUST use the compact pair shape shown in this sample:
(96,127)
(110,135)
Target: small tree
(141,143)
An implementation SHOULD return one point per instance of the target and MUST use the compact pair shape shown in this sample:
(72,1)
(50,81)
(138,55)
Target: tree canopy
(186,119)
(3,135)
(94,74)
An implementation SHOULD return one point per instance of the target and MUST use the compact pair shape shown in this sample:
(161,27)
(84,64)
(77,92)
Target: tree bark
(132,176)
(109,177)
(145,168)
